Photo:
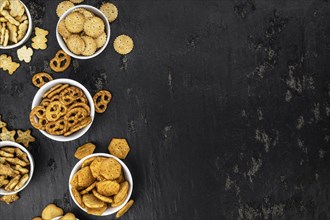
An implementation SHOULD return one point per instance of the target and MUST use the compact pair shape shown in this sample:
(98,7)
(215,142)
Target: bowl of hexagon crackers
(15,24)
(100,184)
(83,32)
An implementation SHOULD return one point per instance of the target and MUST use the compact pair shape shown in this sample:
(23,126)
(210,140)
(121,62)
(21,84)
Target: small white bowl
(127,175)
(14,144)
(98,13)
(27,34)
(38,97)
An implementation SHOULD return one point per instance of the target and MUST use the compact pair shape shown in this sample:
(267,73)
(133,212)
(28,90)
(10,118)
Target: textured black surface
(225,105)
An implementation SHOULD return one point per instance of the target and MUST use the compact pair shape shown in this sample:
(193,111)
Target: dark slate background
(225,105)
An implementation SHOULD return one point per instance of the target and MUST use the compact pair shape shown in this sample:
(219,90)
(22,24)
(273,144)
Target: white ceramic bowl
(98,13)
(27,34)
(13,144)
(38,97)
(127,175)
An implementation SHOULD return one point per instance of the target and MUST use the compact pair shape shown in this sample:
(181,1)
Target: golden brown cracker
(76,44)
(7,135)
(110,11)
(88,189)
(101,197)
(90,46)
(91,201)
(100,40)
(98,211)
(119,147)
(107,187)
(51,211)
(94,27)
(96,166)
(123,44)
(62,7)
(9,198)
(84,150)
(110,169)
(126,207)
(85,177)
(25,137)
(62,30)
(74,22)
(123,191)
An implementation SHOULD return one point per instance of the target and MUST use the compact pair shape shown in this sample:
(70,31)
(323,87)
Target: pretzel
(74,116)
(86,121)
(55,110)
(56,63)
(57,127)
(41,79)
(39,113)
(81,105)
(71,94)
(101,100)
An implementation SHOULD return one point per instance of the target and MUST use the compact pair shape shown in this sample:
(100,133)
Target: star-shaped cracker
(25,54)
(25,137)
(2,123)
(6,135)
(6,63)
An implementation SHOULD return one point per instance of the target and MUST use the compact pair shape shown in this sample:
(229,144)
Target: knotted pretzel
(41,79)
(60,62)
(101,100)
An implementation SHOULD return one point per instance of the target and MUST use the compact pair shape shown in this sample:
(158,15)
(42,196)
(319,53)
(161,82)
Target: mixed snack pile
(13,22)
(100,182)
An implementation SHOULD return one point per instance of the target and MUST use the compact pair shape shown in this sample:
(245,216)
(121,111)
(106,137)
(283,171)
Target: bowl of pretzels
(63,110)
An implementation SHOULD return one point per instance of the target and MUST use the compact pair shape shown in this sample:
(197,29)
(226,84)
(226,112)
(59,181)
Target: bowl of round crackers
(16,167)
(100,184)
(62,109)
(83,32)
(15,24)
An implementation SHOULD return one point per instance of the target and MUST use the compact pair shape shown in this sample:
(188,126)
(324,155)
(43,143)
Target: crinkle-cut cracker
(22,28)
(90,46)
(76,44)
(6,39)
(98,211)
(101,197)
(16,8)
(2,123)
(116,204)
(77,196)
(62,30)
(100,40)
(110,11)
(126,207)
(95,166)
(62,7)
(87,14)
(74,22)
(7,135)
(76,1)
(39,41)
(25,137)
(88,162)
(119,147)
(84,150)
(12,20)
(9,198)
(110,169)
(107,187)
(6,63)
(122,194)
(88,189)
(94,27)
(85,177)
(123,44)
(121,178)
(25,54)
(12,32)
(51,211)
(91,201)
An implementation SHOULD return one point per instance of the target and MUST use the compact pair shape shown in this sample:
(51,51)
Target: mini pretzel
(55,110)
(74,116)
(39,113)
(71,94)
(82,99)
(45,102)
(60,62)
(82,105)
(57,127)
(57,91)
(41,79)
(80,125)
(101,100)
(51,90)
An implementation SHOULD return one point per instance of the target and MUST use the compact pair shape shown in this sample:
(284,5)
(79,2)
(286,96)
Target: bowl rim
(107,30)
(47,86)
(27,34)
(14,144)
(127,174)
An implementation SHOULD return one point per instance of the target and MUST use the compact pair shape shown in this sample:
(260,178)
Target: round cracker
(94,27)
(87,14)
(110,11)
(90,46)
(110,169)
(74,22)
(91,201)
(100,40)
(62,29)
(63,7)
(123,44)
(75,44)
